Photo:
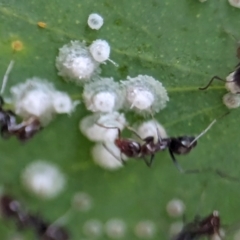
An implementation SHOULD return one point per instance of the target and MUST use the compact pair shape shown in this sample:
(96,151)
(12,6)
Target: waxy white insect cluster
(142,94)
(38,97)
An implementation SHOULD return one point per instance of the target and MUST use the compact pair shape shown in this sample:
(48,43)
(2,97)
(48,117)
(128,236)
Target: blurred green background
(183,44)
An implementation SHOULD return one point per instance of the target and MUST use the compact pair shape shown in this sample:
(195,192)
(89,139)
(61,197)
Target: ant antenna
(209,126)
(63,219)
(114,63)
(5,77)
(210,82)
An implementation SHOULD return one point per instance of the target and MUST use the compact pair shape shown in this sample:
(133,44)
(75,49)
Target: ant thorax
(151,146)
(182,145)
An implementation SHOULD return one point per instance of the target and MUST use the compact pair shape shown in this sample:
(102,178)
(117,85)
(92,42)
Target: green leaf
(183,44)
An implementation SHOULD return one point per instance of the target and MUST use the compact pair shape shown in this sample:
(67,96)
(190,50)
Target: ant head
(186,141)
(182,145)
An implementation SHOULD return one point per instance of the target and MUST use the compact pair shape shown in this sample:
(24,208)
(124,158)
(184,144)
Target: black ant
(11,208)
(208,226)
(175,145)
(8,122)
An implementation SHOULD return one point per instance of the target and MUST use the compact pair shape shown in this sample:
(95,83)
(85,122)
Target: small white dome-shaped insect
(34,98)
(107,157)
(149,129)
(231,100)
(175,228)
(144,94)
(93,228)
(100,50)
(75,63)
(82,201)
(95,127)
(145,229)
(43,179)
(95,21)
(37,97)
(103,95)
(115,228)
(62,103)
(234,3)
(175,208)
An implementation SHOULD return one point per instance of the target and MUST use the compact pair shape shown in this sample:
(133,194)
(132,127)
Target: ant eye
(231,100)
(144,94)
(43,179)
(75,63)
(95,21)
(234,3)
(103,95)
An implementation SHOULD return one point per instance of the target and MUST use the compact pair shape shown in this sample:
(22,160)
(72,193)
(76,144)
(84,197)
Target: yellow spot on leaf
(17,45)
(42,24)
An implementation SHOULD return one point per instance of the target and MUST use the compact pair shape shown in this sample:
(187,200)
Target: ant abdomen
(128,147)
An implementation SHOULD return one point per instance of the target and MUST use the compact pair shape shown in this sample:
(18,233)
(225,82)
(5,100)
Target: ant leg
(215,171)
(120,160)
(119,131)
(134,131)
(148,163)
(151,160)
(226,176)
(210,82)
(1,101)
(176,162)
(5,132)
